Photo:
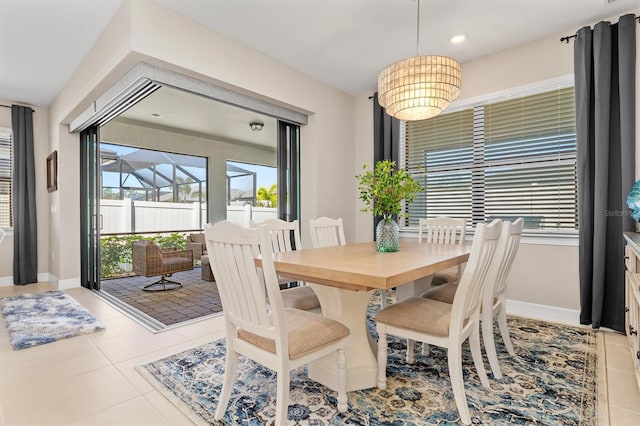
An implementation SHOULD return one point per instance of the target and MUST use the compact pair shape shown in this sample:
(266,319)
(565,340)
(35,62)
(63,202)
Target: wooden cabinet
(632,297)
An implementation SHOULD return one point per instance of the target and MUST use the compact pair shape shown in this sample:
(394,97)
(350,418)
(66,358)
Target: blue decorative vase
(387,235)
(633,201)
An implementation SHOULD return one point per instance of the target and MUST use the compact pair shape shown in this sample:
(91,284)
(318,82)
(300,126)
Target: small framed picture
(52,171)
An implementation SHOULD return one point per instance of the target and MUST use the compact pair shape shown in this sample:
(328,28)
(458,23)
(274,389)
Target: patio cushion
(197,238)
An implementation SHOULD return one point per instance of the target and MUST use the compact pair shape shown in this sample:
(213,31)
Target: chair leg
(382,360)
(163,281)
(230,369)
(342,380)
(504,330)
(383,299)
(454,359)
(476,354)
(282,395)
(425,349)
(489,342)
(411,351)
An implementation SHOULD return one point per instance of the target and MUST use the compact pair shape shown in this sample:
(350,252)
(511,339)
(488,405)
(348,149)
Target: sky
(266,176)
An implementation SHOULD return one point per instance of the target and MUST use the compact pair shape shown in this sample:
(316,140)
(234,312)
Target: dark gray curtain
(604,66)
(25,239)
(386,139)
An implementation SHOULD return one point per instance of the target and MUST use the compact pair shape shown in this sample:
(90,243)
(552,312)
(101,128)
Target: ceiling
(344,43)
(177,109)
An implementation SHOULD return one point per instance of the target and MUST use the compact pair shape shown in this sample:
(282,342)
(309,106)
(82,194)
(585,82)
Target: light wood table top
(360,267)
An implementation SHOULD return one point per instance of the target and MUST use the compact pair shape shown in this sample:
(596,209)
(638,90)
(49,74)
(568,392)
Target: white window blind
(6,167)
(514,158)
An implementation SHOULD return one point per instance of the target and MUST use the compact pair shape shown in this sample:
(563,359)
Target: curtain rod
(9,106)
(567,38)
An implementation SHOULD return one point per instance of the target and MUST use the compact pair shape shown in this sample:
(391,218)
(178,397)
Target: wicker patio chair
(150,261)
(196,243)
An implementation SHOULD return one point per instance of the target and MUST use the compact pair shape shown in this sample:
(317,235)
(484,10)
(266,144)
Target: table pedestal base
(350,308)
(413,288)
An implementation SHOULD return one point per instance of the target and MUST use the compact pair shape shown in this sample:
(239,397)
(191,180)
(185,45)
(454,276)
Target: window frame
(564,236)
(9,131)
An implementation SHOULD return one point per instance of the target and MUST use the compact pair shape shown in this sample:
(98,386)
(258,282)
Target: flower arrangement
(384,189)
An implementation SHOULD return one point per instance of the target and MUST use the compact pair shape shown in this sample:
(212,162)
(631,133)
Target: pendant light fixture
(419,87)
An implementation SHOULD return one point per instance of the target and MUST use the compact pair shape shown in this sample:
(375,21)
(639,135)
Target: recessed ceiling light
(458,38)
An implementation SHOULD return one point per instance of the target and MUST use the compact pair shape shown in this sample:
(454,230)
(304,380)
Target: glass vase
(387,235)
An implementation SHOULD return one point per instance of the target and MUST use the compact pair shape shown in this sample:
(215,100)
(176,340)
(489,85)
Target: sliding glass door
(90,208)
(288,152)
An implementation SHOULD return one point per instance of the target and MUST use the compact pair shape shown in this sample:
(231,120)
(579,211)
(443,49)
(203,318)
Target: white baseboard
(68,283)
(46,277)
(544,312)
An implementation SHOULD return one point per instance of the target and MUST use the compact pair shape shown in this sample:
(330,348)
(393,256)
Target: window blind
(6,167)
(509,159)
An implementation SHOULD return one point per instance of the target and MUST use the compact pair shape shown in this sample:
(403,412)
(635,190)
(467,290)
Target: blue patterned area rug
(36,319)
(551,381)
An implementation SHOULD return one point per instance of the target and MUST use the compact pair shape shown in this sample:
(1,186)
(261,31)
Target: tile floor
(91,380)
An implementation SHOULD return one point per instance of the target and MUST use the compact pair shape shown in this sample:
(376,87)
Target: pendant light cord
(418,30)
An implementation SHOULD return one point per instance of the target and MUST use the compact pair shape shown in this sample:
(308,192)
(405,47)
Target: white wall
(337,141)
(138,32)
(543,274)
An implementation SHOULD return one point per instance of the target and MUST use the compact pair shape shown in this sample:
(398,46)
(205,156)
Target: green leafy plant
(384,189)
(115,250)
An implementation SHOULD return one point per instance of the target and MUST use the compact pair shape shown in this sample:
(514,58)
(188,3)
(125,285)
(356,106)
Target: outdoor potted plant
(383,190)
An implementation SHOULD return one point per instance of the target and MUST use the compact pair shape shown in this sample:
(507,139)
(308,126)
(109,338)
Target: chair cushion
(175,264)
(417,314)
(197,238)
(442,293)
(449,275)
(307,332)
(303,298)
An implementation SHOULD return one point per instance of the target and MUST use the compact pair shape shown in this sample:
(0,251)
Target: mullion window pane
(544,196)
(521,162)
(6,161)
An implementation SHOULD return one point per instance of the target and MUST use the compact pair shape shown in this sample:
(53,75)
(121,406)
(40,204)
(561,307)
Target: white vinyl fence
(122,216)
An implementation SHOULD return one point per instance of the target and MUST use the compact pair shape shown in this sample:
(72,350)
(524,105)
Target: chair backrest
(195,238)
(281,232)
(469,294)
(327,232)
(232,252)
(505,254)
(442,230)
(146,257)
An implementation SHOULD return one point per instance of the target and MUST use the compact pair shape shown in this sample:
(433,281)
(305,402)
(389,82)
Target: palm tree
(184,187)
(267,197)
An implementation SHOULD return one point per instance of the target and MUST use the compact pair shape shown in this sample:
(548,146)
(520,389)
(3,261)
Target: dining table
(345,277)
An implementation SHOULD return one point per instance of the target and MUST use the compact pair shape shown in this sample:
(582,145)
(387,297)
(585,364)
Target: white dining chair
(327,232)
(443,324)
(443,230)
(282,233)
(257,324)
(494,299)
(494,302)
(2,234)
